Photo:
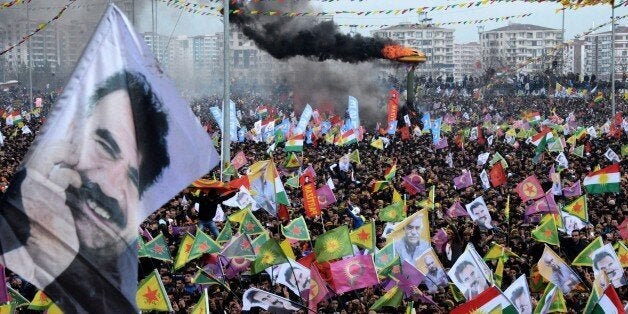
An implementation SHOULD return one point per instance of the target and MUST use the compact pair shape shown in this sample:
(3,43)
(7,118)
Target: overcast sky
(576,21)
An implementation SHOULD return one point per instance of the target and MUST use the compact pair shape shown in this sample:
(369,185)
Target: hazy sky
(576,21)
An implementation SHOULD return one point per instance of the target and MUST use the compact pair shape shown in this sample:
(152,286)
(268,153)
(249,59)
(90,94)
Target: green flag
(16,298)
(579,151)
(393,212)
(293,182)
(555,296)
(624,150)
(203,244)
(259,241)
(225,234)
(141,247)
(385,256)
(158,249)
(355,156)
(250,224)
(455,292)
(203,278)
(333,244)
(546,231)
(392,298)
(269,255)
(583,258)
(296,230)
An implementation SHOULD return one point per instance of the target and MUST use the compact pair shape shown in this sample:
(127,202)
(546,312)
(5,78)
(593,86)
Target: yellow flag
(151,294)
(238,216)
(287,249)
(201,306)
(396,196)
(622,253)
(378,143)
(8,308)
(364,236)
(54,309)
(40,302)
(184,251)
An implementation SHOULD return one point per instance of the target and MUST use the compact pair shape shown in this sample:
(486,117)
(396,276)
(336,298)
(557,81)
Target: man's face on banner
(432,268)
(610,267)
(302,278)
(413,231)
(108,166)
(470,277)
(481,213)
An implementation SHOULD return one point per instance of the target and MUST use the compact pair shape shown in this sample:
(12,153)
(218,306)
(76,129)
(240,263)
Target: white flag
(119,144)
(592,132)
(611,155)
(561,159)
(450,160)
(406,118)
(482,158)
(490,140)
(484,178)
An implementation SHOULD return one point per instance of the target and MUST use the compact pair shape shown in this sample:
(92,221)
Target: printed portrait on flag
(429,265)
(605,260)
(519,295)
(104,161)
(479,212)
(271,302)
(411,237)
(468,276)
(294,276)
(556,271)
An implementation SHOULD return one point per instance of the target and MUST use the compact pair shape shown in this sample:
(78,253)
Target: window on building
(539,35)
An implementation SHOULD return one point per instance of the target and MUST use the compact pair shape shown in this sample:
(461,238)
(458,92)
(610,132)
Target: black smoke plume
(286,37)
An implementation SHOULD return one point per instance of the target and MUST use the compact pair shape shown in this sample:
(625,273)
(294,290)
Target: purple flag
(4,293)
(442,143)
(456,210)
(325,196)
(440,240)
(409,277)
(449,118)
(414,183)
(544,204)
(573,190)
(464,180)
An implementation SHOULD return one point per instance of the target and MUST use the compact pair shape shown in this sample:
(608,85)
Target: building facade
(574,58)
(597,49)
(437,43)
(513,45)
(467,60)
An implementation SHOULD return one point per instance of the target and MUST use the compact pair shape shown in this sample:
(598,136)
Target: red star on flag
(158,249)
(151,296)
(250,226)
(203,246)
(363,235)
(188,248)
(529,189)
(245,245)
(577,208)
(296,230)
(547,232)
(383,258)
(623,258)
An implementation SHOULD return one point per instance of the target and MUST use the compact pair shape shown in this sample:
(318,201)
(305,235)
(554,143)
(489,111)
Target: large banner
(304,120)
(354,112)
(310,198)
(119,144)
(393,107)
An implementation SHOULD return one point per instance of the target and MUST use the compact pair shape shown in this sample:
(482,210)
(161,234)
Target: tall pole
(226,108)
(613,58)
(562,50)
(30,59)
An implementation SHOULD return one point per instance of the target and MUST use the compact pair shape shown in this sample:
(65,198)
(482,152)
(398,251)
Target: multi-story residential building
(598,53)
(158,44)
(509,46)
(467,60)
(437,43)
(573,58)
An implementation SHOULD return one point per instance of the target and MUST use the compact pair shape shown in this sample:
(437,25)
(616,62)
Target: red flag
(318,288)
(481,139)
(405,133)
(239,160)
(310,199)
(497,175)
(307,260)
(530,189)
(241,181)
(353,273)
(282,212)
(393,106)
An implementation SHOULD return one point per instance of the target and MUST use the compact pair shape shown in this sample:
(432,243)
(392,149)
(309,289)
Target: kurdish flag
(603,180)
(364,236)
(490,301)
(603,302)
(151,294)
(333,244)
(584,259)
(390,172)
(546,231)
(348,137)
(295,143)
(378,185)
(578,208)
(296,230)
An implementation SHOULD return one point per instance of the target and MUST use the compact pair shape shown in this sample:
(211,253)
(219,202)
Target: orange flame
(393,52)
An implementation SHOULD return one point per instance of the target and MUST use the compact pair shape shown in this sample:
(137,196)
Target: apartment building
(574,58)
(597,49)
(467,60)
(510,46)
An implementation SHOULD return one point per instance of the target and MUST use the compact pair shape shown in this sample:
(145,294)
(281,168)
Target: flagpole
(613,58)
(206,299)
(226,108)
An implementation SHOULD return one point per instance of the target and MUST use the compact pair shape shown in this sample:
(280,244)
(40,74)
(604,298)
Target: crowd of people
(356,200)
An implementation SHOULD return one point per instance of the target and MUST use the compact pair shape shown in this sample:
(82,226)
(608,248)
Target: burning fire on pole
(406,55)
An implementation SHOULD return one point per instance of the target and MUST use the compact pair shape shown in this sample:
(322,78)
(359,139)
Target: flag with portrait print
(119,144)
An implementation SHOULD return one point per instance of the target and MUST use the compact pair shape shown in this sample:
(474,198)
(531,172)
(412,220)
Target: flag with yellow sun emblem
(270,254)
(151,294)
(353,273)
(333,244)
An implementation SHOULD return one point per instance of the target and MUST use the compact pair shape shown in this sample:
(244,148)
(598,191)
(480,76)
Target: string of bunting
(467,22)
(39,28)
(12,3)
(551,51)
